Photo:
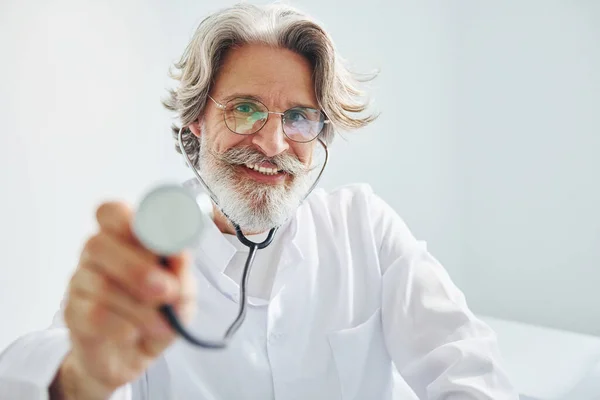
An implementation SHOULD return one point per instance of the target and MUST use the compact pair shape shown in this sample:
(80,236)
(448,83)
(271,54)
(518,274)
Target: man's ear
(195,127)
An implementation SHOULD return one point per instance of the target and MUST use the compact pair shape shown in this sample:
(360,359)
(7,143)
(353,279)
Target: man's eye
(245,108)
(296,116)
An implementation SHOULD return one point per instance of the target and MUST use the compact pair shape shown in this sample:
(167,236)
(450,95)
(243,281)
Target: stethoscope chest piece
(168,220)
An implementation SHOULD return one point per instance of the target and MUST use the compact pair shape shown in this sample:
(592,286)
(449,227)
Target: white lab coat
(359,310)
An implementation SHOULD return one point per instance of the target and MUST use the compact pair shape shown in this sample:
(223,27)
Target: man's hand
(112,309)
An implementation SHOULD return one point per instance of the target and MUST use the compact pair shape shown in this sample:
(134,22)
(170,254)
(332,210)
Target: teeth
(263,170)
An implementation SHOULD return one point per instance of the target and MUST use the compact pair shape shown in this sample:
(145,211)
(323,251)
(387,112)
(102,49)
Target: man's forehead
(275,76)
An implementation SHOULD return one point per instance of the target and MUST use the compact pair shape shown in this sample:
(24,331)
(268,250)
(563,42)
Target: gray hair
(278,25)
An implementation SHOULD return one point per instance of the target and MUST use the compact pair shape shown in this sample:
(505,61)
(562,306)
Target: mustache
(247,155)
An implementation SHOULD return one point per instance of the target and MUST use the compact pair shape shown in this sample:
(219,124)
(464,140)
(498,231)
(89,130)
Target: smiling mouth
(268,176)
(264,170)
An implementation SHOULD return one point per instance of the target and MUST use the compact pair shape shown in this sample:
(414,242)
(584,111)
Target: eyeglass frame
(222,107)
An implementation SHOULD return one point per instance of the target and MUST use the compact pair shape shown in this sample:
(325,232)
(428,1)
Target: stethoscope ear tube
(168,311)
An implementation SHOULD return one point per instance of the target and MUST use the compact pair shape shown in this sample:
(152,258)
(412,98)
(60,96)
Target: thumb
(180,265)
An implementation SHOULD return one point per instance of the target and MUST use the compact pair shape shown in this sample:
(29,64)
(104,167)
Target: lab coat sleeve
(439,347)
(29,364)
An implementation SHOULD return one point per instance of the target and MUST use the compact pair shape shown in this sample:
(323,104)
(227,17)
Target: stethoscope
(169,219)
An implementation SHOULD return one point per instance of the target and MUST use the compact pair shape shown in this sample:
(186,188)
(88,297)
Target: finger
(116,218)
(186,305)
(152,347)
(132,268)
(180,265)
(153,334)
(91,283)
(90,321)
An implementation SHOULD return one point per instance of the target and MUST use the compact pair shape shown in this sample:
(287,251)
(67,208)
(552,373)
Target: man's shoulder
(345,191)
(350,201)
(343,197)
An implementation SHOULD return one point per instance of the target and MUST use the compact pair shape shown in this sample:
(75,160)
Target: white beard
(256,207)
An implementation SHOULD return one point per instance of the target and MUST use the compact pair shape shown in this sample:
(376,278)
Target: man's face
(280,79)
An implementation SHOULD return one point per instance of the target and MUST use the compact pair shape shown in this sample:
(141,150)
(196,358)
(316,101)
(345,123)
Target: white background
(487,144)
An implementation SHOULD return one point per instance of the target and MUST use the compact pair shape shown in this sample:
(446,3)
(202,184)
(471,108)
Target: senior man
(344,304)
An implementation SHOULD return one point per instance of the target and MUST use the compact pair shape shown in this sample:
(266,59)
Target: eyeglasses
(247,116)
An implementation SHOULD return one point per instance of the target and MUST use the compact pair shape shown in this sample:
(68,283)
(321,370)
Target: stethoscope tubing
(168,311)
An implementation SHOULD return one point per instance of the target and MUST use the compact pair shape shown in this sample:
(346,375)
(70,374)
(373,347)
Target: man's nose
(271,139)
